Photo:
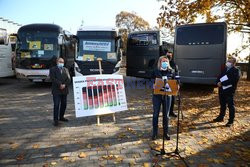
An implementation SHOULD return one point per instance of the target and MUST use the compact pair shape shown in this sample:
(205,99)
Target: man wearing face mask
(227,84)
(162,71)
(60,78)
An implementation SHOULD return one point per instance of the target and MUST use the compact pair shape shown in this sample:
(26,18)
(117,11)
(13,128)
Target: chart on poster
(99,94)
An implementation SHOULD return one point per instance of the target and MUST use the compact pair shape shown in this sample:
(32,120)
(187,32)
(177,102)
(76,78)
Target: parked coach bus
(5,55)
(38,47)
(200,52)
(143,50)
(97,42)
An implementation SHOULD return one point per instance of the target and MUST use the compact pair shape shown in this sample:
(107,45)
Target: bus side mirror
(60,39)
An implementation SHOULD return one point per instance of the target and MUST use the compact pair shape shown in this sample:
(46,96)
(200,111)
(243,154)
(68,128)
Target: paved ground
(28,137)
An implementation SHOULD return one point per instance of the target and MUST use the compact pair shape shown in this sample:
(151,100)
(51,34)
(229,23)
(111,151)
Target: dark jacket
(233,75)
(59,78)
(158,74)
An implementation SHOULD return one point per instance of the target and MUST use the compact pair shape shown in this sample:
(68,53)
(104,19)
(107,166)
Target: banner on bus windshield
(97,46)
(99,94)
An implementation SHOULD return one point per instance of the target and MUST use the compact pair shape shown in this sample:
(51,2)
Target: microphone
(178,78)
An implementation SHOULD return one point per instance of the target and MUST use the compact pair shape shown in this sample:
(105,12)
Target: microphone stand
(176,151)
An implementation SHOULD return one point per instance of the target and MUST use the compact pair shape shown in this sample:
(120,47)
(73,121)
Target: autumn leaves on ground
(203,142)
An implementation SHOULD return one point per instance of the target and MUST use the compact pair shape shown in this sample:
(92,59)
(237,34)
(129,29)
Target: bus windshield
(91,49)
(200,35)
(144,39)
(37,44)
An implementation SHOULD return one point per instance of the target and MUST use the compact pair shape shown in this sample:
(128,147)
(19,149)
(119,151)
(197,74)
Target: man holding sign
(227,83)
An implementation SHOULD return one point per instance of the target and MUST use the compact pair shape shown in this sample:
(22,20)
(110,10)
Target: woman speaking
(165,72)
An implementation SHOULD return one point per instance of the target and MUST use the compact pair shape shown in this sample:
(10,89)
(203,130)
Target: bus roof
(142,32)
(202,24)
(42,27)
(97,28)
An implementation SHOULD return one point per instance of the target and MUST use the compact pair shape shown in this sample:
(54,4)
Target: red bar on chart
(114,95)
(85,99)
(110,95)
(100,96)
(90,97)
(105,95)
(95,97)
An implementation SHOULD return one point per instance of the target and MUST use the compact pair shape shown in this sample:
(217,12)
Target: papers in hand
(225,87)
(224,78)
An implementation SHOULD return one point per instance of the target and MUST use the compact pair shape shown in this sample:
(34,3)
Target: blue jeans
(60,104)
(157,102)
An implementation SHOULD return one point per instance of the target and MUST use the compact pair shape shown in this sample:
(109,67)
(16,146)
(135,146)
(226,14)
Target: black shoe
(218,119)
(229,124)
(154,137)
(64,119)
(167,137)
(55,123)
(172,115)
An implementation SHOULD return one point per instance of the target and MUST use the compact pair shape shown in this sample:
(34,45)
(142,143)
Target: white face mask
(229,65)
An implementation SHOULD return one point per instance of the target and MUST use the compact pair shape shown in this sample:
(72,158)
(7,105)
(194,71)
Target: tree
(128,22)
(236,13)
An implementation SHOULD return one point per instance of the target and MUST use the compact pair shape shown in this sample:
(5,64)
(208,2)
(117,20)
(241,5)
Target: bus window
(143,39)
(200,35)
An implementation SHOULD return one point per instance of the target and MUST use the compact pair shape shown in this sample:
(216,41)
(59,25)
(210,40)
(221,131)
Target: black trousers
(172,105)
(227,100)
(60,104)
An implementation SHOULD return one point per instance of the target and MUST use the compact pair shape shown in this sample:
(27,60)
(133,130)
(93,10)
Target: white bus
(6,69)
(97,42)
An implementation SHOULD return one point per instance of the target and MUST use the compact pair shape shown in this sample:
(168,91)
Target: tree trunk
(248,69)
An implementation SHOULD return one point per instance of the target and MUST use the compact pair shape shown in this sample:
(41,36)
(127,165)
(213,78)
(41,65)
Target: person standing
(227,84)
(174,67)
(162,71)
(60,78)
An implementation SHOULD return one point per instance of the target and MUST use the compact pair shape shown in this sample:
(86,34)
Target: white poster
(97,46)
(99,94)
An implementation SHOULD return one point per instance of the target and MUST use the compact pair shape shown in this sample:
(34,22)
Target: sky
(70,13)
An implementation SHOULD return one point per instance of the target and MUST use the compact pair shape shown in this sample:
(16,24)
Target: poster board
(170,89)
(99,95)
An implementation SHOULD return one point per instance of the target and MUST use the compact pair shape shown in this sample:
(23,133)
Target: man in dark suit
(227,83)
(60,78)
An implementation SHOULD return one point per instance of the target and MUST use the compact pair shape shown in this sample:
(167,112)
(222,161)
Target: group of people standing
(226,82)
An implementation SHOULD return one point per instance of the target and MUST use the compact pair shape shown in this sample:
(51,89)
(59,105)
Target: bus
(38,47)
(94,43)
(143,50)
(5,55)
(200,52)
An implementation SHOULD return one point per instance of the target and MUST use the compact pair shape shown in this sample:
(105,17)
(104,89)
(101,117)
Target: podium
(169,87)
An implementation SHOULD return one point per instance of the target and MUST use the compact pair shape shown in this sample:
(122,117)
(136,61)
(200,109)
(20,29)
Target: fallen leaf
(146,164)
(53,163)
(82,155)
(65,158)
(35,146)
(20,157)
